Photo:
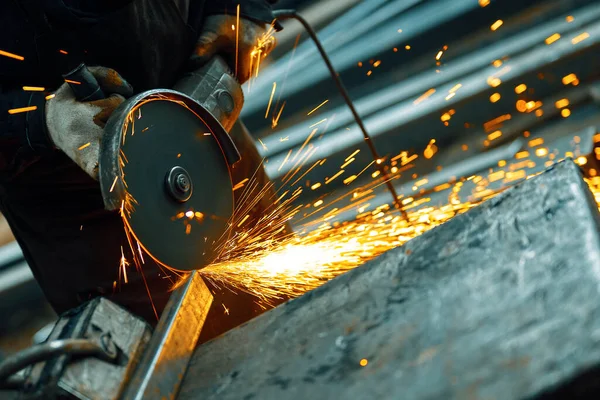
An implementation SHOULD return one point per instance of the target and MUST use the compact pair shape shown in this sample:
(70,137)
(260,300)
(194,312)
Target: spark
(11,55)
(580,38)
(123,264)
(348,162)
(494,81)
(317,107)
(240,184)
(276,119)
(112,187)
(225,309)
(536,142)
(350,179)
(285,160)
(352,155)
(562,103)
(494,135)
(22,110)
(244,220)
(496,25)
(271,99)
(33,89)
(50,96)
(340,172)
(552,38)
(63,52)
(571,78)
(364,362)
(455,88)
(430,150)
(522,154)
(424,96)
(88,144)
(496,122)
(73,82)
(520,88)
(237,37)
(262,144)
(495,97)
(317,123)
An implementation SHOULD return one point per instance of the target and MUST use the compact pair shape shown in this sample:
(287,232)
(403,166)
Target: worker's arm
(23,129)
(62,122)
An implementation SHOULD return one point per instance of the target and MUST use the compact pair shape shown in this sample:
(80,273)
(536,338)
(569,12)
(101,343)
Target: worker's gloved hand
(218,36)
(77,127)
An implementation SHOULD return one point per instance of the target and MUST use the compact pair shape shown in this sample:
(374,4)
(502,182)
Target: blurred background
(461,97)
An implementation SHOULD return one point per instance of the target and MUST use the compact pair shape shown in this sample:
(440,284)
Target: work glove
(218,36)
(76,127)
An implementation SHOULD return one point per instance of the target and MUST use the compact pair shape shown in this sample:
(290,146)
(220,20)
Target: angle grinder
(165,163)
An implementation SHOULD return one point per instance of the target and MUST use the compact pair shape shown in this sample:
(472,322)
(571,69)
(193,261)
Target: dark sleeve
(256,10)
(26,128)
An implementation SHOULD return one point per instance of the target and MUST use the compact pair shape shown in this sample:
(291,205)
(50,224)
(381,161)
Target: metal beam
(500,302)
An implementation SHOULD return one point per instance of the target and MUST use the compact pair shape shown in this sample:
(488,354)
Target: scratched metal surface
(500,302)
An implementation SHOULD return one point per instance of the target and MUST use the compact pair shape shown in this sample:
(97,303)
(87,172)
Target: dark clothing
(55,210)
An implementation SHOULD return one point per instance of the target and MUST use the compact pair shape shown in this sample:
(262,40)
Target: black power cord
(292,14)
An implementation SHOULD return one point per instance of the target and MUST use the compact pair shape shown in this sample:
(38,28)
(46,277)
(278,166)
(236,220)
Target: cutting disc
(168,169)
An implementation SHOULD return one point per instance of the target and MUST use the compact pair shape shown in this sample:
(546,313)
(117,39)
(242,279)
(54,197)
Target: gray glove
(218,37)
(76,127)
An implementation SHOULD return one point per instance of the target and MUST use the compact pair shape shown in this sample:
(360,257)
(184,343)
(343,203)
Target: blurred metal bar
(333,36)
(405,111)
(317,14)
(14,276)
(9,254)
(414,22)
(453,71)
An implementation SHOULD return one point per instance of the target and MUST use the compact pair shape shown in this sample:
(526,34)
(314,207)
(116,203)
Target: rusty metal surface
(167,356)
(501,302)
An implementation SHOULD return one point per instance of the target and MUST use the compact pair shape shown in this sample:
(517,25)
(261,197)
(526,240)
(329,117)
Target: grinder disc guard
(165,162)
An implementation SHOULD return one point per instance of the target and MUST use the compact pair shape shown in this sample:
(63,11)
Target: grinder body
(166,161)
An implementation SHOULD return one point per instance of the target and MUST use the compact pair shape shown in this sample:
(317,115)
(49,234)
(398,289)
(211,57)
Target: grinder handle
(216,89)
(84,84)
